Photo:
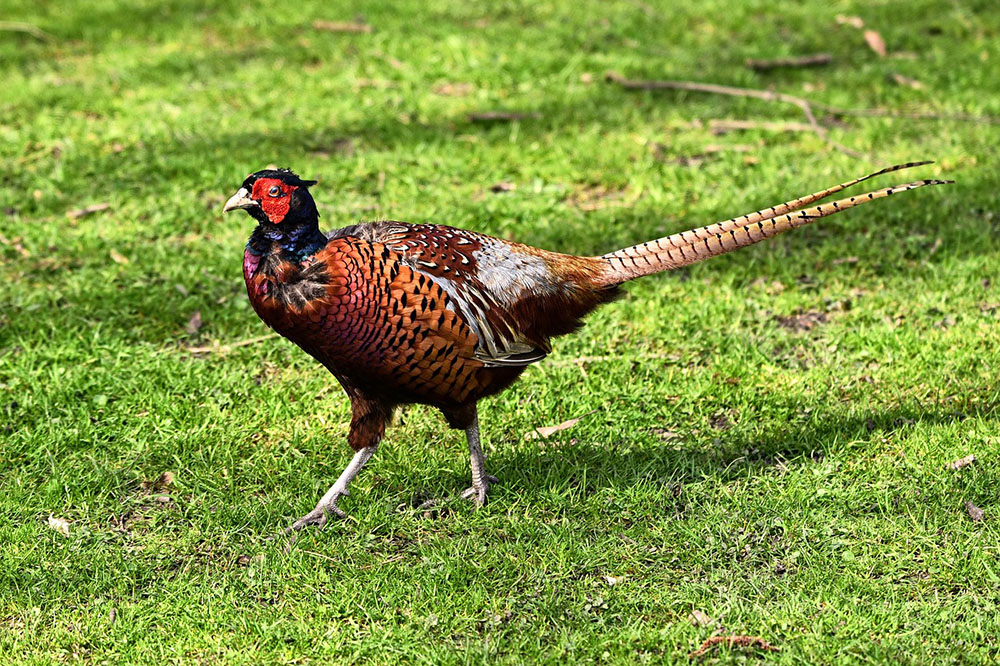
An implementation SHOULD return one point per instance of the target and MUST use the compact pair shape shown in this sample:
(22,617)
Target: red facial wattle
(274,197)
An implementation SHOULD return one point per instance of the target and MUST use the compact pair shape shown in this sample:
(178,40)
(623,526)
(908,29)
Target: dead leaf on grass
(547,431)
(596,196)
(118,257)
(16,243)
(875,42)
(700,619)
(161,483)
(60,525)
(961,462)
(194,323)
(453,89)
(720,420)
(899,79)
(802,321)
(853,21)
(974,512)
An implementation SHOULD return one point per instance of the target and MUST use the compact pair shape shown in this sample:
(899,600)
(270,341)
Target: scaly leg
(481,481)
(368,422)
(328,503)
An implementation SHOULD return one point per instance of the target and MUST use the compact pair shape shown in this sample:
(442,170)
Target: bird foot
(319,515)
(477,493)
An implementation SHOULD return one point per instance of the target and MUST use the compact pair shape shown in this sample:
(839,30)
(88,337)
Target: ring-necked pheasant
(425,313)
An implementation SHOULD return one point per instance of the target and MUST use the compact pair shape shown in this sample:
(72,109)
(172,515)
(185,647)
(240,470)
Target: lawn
(763,437)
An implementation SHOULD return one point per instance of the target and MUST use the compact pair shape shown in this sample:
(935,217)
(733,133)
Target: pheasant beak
(240,200)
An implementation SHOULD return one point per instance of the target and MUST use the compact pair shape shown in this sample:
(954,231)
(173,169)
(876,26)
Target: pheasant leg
(328,503)
(481,481)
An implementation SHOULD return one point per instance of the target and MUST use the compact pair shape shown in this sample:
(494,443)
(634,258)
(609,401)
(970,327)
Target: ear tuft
(292,178)
(284,175)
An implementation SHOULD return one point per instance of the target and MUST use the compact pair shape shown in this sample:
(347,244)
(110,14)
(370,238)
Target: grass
(787,483)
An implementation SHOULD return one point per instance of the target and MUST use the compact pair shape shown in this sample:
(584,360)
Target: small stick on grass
(501,116)
(26,28)
(723,126)
(732,641)
(814,60)
(801,102)
(767,95)
(225,349)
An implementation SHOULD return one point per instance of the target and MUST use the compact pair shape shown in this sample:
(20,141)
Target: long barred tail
(688,247)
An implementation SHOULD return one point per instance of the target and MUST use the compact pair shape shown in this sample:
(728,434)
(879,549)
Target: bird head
(275,196)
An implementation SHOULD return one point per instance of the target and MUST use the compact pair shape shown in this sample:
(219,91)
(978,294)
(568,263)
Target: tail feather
(689,247)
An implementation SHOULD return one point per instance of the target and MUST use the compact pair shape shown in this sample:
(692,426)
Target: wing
(485,279)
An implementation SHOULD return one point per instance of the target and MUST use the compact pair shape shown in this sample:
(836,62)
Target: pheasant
(425,313)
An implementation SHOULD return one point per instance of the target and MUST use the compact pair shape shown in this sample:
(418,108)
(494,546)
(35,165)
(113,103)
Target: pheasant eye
(274,191)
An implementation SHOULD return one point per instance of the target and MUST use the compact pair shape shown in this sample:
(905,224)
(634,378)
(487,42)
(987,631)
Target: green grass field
(764,435)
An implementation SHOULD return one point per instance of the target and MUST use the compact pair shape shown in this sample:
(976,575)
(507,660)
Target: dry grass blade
(341,26)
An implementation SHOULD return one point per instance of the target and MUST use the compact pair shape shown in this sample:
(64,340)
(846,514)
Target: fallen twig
(87,210)
(908,115)
(767,95)
(732,641)
(26,28)
(791,99)
(801,61)
(224,349)
(494,116)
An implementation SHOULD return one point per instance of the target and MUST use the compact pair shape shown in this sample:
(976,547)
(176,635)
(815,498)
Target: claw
(319,515)
(477,493)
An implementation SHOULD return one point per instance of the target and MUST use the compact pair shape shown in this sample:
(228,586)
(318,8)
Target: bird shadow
(532,471)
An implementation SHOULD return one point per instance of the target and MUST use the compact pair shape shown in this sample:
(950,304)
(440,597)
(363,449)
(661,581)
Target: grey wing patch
(498,343)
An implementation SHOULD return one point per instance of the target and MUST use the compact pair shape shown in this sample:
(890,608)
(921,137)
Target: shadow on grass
(528,471)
